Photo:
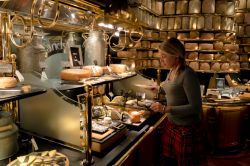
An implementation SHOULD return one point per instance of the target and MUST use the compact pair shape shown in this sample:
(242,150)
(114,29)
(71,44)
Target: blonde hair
(174,47)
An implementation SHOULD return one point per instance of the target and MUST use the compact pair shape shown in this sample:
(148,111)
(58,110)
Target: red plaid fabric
(184,143)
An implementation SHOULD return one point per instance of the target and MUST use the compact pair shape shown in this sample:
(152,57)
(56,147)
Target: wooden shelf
(134,58)
(220,61)
(196,15)
(199,30)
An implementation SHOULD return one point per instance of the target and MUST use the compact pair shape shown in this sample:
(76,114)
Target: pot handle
(116,45)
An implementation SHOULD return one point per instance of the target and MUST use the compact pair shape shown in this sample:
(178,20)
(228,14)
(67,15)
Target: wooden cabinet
(225,126)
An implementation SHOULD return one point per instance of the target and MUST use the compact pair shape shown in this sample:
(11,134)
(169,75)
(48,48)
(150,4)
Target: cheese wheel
(125,54)
(225,66)
(158,7)
(200,22)
(247,48)
(194,35)
(219,36)
(215,66)
(193,23)
(75,74)
(208,6)
(118,68)
(170,23)
(182,36)
(247,28)
(226,23)
(207,36)
(216,22)
(96,71)
(147,33)
(182,7)
(193,55)
(7,82)
(137,45)
(206,46)
(244,57)
(247,18)
(220,7)
(185,23)
(239,18)
(177,22)
(208,22)
(145,44)
(164,23)
(172,34)
(205,66)
(156,55)
(244,65)
(155,45)
(218,45)
(231,47)
(169,8)
(235,66)
(144,63)
(232,56)
(155,63)
(241,30)
(230,8)
(206,56)
(217,56)
(194,6)
(150,54)
(163,35)
(155,35)
(191,46)
(194,65)
(243,4)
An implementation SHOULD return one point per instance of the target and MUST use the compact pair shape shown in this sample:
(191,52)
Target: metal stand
(85,104)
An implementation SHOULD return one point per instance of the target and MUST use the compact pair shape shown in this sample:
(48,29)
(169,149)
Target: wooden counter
(226,124)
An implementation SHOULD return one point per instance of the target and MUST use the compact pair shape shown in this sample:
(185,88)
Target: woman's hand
(157,107)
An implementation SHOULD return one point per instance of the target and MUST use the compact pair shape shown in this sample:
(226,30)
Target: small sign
(75,55)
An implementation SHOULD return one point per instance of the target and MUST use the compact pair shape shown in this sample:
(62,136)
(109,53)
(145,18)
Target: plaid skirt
(186,144)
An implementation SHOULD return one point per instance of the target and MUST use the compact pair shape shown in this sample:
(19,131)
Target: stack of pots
(8,135)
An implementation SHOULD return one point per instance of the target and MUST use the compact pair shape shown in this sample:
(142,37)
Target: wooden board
(102,136)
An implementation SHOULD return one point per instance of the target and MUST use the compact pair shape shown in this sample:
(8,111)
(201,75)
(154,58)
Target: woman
(181,139)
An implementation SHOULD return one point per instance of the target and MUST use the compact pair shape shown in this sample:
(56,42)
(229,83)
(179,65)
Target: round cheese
(194,65)
(118,68)
(96,71)
(206,46)
(182,7)
(215,66)
(7,82)
(75,74)
(193,55)
(169,8)
(194,6)
(204,66)
(225,66)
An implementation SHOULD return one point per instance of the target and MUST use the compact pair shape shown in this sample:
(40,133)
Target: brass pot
(194,6)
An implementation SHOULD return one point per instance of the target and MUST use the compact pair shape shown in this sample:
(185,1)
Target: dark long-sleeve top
(184,97)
